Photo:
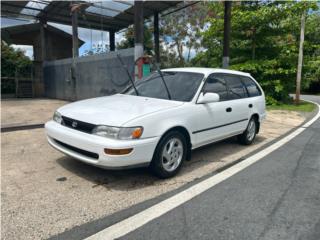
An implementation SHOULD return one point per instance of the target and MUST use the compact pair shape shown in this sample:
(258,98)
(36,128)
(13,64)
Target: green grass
(302,107)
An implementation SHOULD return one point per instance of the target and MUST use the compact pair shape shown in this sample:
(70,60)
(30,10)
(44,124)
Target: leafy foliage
(264,41)
(181,32)
(128,42)
(13,62)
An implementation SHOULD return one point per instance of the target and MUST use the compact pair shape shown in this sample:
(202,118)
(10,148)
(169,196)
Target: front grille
(78,150)
(78,125)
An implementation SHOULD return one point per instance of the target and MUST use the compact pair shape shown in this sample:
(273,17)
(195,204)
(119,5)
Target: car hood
(115,110)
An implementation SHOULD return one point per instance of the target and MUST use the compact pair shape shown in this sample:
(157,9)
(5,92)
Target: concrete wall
(94,76)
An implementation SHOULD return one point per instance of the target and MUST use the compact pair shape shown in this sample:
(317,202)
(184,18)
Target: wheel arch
(183,130)
(257,118)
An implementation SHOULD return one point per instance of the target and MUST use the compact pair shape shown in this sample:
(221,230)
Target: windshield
(181,85)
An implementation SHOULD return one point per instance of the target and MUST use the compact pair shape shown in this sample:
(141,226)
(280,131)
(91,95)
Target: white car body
(204,123)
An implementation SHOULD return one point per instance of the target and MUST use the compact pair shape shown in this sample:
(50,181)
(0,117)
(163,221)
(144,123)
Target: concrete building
(49,43)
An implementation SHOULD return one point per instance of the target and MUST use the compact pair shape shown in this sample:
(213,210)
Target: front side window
(181,85)
(235,86)
(216,84)
(252,88)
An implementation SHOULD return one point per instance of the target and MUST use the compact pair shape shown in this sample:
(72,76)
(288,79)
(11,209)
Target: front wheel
(169,155)
(248,136)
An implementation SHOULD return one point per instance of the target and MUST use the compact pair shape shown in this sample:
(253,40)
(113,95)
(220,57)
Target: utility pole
(138,29)
(75,42)
(226,34)
(156,36)
(300,58)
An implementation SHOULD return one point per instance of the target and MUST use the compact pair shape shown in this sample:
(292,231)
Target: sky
(86,35)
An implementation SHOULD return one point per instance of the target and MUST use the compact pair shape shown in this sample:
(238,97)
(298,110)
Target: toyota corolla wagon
(158,120)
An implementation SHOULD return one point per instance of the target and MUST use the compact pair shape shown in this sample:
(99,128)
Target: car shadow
(218,152)
(126,179)
(138,178)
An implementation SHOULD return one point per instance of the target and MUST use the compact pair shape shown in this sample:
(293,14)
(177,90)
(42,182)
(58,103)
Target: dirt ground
(13,111)
(45,192)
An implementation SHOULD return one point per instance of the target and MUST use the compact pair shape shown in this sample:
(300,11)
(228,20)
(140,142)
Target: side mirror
(208,98)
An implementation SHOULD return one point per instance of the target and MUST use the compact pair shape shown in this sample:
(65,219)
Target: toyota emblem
(74,124)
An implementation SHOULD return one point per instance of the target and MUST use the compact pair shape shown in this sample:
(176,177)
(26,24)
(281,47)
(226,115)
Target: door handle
(229,109)
(250,105)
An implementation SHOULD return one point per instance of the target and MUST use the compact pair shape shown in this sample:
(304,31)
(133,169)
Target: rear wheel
(248,136)
(169,155)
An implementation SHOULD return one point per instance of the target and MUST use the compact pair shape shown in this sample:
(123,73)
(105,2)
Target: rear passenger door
(256,103)
(237,108)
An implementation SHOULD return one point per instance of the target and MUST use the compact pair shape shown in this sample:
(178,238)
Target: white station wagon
(157,121)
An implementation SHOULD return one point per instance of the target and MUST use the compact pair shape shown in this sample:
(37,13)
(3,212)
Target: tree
(13,61)
(180,35)
(264,41)
(181,31)
(128,42)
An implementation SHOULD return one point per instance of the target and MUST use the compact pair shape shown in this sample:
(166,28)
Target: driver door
(213,117)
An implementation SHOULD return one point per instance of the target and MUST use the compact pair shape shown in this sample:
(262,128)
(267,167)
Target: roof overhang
(18,34)
(102,15)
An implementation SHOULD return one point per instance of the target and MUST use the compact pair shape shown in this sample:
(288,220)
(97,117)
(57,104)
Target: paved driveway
(27,111)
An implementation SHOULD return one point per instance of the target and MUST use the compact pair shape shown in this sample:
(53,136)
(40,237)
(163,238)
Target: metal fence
(20,86)
(87,77)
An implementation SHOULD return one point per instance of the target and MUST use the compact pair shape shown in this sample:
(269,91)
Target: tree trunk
(300,58)
(226,34)
(189,52)
(180,51)
(253,56)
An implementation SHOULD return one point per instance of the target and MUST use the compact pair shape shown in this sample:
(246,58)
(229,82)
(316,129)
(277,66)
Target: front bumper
(75,143)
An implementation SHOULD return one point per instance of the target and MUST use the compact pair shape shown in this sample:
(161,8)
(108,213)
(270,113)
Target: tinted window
(253,89)
(235,86)
(216,84)
(181,85)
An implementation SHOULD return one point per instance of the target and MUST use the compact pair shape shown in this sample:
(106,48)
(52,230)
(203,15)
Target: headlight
(118,132)
(57,117)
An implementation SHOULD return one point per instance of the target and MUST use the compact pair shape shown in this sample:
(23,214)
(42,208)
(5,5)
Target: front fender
(157,124)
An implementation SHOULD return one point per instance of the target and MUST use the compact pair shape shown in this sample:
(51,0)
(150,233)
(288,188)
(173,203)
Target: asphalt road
(275,198)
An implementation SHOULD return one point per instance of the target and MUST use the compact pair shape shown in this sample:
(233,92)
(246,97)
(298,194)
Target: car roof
(205,71)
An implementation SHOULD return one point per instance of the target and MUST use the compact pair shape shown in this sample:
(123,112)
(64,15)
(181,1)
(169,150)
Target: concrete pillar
(226,34)
(156,36)
(138,29)
(75,43)
(40,54)
(112,40)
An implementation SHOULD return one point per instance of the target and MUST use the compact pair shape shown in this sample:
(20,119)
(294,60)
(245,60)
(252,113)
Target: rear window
(252,88)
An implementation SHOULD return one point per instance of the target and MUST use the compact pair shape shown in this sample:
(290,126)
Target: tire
(248,136)
(167,162)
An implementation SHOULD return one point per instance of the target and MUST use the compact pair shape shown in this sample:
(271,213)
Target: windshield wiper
(127,71)
(164,82)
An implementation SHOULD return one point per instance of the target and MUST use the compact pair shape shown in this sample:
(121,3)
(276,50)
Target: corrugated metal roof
(102,15)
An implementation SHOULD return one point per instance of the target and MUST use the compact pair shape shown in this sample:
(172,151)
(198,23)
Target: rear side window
(252,88)
(235,86)
(216,84)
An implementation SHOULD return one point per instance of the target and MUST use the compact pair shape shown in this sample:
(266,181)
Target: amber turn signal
(118,151)
(136,133)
